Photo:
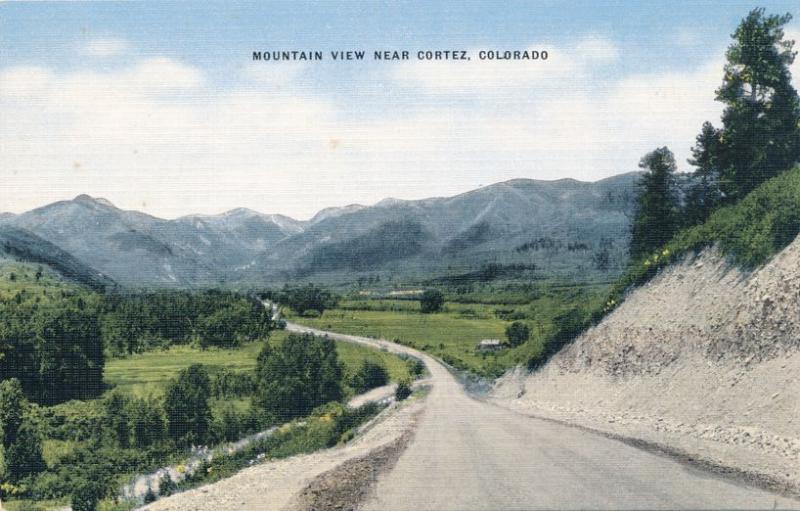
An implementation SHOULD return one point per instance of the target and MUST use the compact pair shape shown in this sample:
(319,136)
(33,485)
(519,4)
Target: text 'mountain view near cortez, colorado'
(387,256)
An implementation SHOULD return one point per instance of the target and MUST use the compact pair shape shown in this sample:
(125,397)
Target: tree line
(57,350)
(759,138)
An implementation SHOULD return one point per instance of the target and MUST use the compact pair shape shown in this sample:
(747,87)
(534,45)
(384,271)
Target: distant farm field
(451,335)
(148,373)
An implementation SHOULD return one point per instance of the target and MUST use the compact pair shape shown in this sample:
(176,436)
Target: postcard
(379,255)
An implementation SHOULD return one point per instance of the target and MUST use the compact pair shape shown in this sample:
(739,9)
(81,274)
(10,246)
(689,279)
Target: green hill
(748,233)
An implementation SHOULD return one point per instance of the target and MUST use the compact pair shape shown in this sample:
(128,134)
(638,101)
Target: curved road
(471,455)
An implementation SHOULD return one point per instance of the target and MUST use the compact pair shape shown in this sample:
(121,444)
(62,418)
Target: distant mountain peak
(88,199)
(241,212)
(326,213)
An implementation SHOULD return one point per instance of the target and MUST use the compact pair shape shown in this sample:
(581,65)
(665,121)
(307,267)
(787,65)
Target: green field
(451,335)
(148,373)
(35,283)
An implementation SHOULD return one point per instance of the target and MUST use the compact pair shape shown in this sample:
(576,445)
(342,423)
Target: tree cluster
(134,323)
(431,301)
(297,376)
(305,298)
(19,438)
(55,351)
(759,138)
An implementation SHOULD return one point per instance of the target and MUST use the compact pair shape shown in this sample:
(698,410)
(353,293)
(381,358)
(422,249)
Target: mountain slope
(142,250)
(559,227)
(123,244)
(27,247)
(492,224)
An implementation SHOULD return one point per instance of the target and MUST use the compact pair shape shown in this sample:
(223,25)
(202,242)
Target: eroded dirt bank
(703,360)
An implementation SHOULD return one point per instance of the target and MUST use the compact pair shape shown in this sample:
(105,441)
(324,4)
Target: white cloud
(106,47)
(158,136)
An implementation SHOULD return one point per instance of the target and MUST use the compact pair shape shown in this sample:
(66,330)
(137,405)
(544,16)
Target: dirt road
(468,454)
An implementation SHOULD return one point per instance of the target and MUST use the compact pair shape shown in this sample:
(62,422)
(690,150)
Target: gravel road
(469,454)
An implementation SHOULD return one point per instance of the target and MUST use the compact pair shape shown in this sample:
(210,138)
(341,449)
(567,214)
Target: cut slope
(704,358)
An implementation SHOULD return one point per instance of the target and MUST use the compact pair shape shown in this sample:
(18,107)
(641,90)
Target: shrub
(166,486)
(517,333)
(232,384)
(416,367)
(403,391)
(150,496)
(431,301)
(369,376)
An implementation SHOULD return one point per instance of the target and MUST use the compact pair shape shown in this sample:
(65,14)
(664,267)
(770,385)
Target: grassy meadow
(452,334)
(148,373)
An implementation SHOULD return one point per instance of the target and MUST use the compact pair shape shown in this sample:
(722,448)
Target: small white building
(490,345)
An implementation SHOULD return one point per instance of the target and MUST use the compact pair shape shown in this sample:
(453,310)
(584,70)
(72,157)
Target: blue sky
(158,106)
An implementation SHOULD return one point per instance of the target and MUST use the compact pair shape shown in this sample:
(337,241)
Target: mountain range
(557,227)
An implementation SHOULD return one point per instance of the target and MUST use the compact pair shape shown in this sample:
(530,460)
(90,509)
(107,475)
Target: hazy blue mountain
(25,246)
(558,227)
(518,221)
(326,213)
(132,247)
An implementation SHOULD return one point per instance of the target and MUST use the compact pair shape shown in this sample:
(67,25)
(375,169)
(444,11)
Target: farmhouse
(490,345)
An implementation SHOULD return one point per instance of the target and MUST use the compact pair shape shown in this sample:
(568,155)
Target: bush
(431,301)
(306,298)
(232,384)
(369,376)
(403,391)
(416,367)
(166,486)
(150,496)
(517,333)
(85,496)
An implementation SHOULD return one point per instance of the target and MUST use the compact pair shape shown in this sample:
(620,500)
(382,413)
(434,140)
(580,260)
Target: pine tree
(656,216)
(24,456)
(186,406)
(704,194)
(116,408)
(22,446)
(761,135)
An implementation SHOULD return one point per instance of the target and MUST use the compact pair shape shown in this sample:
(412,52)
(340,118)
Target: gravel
(703,360)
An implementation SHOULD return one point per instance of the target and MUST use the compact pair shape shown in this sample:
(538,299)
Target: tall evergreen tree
(12,403)
(704,194)
(22,446)
(761,134)
(70,354)
(186,406)
(656,217)
(117,415)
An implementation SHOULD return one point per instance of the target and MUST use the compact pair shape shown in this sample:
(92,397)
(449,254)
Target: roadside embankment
(704,361)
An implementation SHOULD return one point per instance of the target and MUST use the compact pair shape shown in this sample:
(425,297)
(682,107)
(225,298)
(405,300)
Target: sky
(159,107)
